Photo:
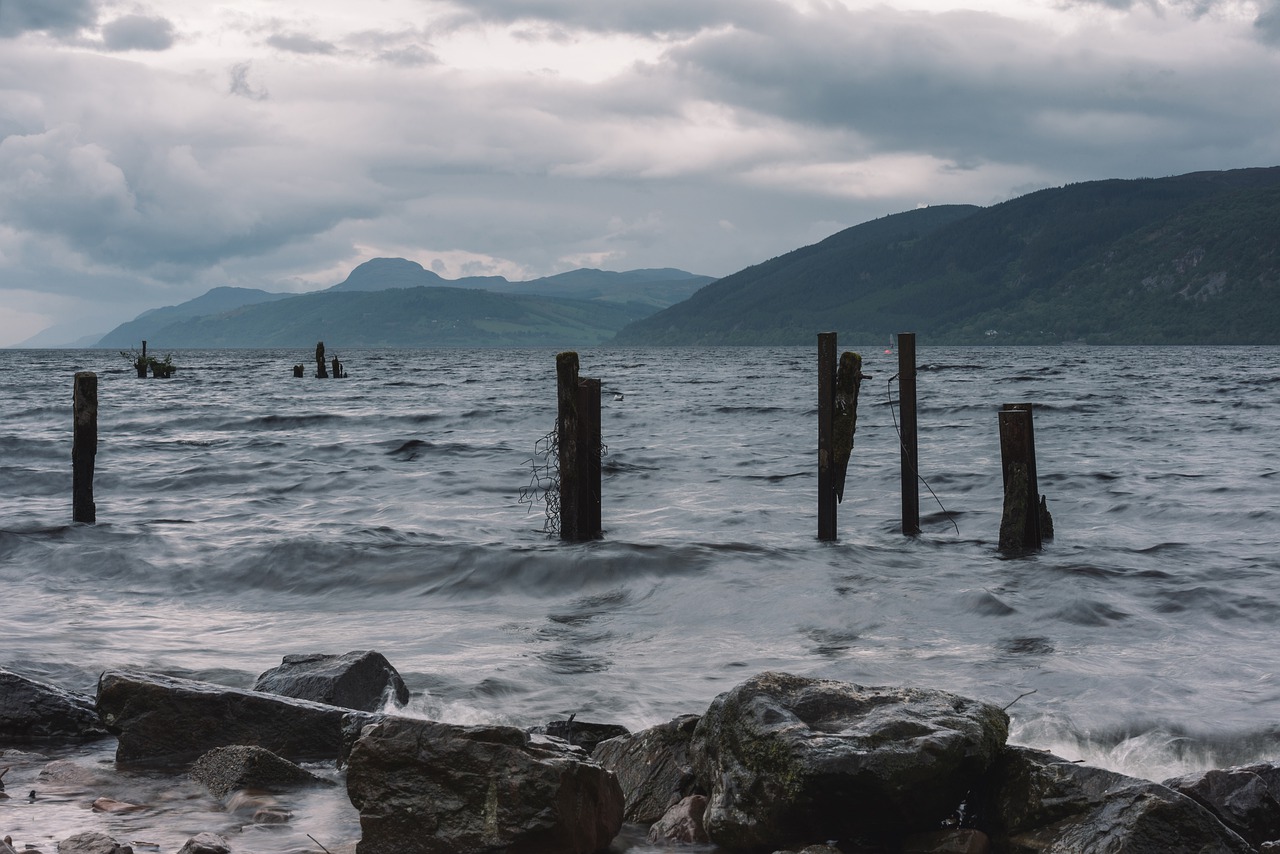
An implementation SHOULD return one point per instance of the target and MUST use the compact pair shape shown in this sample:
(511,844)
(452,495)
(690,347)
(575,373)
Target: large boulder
(424,787)
(790,759)
(1245,798)
(165,719)
(224,770)
(35,711)
(92,842)
(363,680)
(1044,803)
(653,768)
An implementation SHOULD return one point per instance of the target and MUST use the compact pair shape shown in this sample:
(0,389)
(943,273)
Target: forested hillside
(1189,259)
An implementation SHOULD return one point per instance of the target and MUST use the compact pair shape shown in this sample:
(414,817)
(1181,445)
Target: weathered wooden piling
(1020,522)
(578,446)
(321,371)
(84,446)
(837,421)
(297,370)
(910,457)
(141,364)
(826,435)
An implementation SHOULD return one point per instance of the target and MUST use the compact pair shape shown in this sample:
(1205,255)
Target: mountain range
(393,302)
(1190,259)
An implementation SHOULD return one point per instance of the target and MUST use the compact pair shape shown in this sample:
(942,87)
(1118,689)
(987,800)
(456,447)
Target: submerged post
(1020,523)
(321,372)
(910,447)
(141,364)
(578,444)
(84,447)
(826,435)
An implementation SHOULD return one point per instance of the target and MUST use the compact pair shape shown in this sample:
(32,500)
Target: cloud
(301,43)
(650,18)
(241,86)
(61,18)
(138,32)
(1267,24)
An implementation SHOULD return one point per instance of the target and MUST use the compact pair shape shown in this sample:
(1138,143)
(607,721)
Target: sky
(153,149)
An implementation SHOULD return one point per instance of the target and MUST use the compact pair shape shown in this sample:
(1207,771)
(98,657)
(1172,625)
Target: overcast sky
(153,149)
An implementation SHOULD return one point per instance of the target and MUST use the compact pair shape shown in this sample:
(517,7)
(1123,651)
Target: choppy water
(244,514)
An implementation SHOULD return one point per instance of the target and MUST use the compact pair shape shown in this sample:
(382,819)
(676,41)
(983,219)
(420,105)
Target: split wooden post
(321,371)
(141,364)
(1020,523)
(578,446)
(826,435)
(910,445)
(84,447)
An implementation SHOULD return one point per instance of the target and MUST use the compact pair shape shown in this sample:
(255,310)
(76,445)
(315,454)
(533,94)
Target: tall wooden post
(1020,524)
(141,364)
(907,414)
(826,435)
(321,371)
(84,447)
(578,444)
(589,445)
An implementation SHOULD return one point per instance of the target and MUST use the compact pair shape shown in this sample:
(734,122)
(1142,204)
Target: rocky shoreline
(780,763)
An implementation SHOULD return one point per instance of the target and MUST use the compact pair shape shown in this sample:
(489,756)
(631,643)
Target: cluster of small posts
(1024,526)
(322,372)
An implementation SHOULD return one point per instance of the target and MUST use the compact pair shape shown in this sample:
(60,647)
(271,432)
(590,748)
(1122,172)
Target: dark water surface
(244,514)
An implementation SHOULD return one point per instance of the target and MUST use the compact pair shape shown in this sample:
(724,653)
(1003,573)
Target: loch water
(244,514)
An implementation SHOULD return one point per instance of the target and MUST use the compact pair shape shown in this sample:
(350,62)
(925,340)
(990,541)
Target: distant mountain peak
(379,274)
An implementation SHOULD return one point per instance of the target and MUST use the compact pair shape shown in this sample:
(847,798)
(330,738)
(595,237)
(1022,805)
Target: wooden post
(578,443)
(141,364)
(910,447)
(321,371)
(589,455)
(84,447)
(826,435)
(1020,524)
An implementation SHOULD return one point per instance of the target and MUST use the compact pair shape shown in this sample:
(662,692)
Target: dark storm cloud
(1267,24)
(56,17)
(137,32)
(974,87)
(649,18)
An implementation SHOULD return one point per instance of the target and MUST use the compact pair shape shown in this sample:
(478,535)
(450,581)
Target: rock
(583,734)
(682,823)
(164,719)
(789,758)
(6,846)
(224,770)
(66,773)
(33,711)
(92,843)
(1043,803)
(206,843)
(653,768)
(361,680)
(1245,799)
(424,787)
(959,841)
(112,805)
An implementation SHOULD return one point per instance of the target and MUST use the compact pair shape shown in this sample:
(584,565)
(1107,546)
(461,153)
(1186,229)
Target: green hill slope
(1195,258)
(405,317)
